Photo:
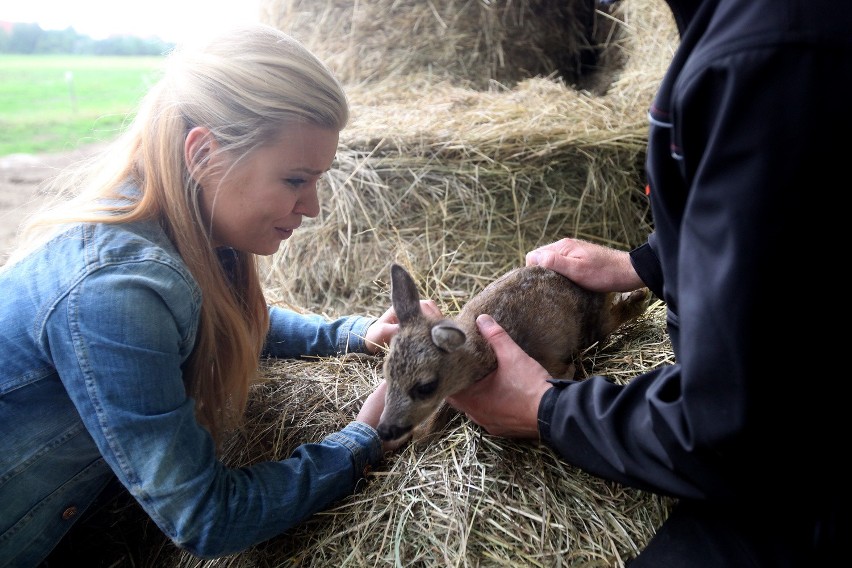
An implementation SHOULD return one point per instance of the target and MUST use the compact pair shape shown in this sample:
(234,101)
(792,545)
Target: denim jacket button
(69,513)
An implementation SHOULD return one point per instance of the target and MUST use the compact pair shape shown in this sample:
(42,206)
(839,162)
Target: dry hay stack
(458,184)
(472,42)
(459,195)
(464,499)
(457,177)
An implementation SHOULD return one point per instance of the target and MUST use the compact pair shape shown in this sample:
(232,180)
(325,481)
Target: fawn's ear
(447,336)
(404,295)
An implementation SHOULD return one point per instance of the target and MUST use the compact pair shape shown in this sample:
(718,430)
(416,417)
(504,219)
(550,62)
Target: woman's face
(261,200)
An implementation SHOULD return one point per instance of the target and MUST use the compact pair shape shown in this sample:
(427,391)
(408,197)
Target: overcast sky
(171,20)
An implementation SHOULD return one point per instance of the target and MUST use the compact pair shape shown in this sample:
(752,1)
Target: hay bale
(465,499)
(472,43)
(457,184)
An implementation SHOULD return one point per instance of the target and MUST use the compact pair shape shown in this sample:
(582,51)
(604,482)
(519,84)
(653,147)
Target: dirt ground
(20,177)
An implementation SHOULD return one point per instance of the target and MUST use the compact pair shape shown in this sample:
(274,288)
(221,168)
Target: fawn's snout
(388,432)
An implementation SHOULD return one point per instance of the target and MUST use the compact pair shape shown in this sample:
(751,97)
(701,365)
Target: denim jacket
(94,329)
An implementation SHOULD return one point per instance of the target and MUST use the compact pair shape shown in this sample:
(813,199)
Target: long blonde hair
(245,86)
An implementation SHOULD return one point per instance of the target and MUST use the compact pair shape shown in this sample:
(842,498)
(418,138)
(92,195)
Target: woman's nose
(308,203)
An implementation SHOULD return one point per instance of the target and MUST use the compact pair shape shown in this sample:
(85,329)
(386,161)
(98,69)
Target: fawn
(548,316)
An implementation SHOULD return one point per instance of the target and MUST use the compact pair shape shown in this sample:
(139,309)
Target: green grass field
(57,102)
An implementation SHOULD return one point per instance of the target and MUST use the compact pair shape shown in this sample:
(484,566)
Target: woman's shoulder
(82,251)
(140,241)
(105,265)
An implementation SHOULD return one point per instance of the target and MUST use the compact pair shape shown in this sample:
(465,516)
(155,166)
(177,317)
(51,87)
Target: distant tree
(28,39)
(61,41)
(130,45)
(24,38)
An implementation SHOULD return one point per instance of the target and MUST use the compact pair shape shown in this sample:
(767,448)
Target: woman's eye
(295,182)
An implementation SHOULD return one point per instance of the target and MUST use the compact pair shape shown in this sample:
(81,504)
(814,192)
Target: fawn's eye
(424,390)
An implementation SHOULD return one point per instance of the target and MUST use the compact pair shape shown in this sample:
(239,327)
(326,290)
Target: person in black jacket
(748,172)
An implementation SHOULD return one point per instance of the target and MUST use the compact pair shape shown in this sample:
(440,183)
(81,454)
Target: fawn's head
(417,367)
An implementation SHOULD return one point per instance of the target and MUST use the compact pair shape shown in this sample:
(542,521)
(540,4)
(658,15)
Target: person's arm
(588,422)
(293,335)
(119,340)
(721,420)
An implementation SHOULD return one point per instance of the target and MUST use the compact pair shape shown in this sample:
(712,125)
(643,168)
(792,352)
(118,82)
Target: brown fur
(549,316)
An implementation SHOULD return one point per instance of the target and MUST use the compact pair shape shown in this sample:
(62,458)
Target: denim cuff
(355,342)
(363,442)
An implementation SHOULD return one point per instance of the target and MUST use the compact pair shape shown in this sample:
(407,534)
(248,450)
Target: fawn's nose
(388,432)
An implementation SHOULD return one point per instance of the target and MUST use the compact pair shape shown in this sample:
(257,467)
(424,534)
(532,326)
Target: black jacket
(748,164)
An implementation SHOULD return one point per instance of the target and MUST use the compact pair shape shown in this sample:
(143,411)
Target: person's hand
(505,402)
(372,411)
(380,333)
(590,265)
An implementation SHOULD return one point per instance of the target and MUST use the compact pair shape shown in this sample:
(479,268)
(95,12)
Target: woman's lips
(283,233)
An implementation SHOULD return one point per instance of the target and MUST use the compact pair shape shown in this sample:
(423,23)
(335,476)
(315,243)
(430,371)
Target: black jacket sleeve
(647,266)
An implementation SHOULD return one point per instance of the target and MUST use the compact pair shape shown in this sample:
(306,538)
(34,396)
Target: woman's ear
(197,146)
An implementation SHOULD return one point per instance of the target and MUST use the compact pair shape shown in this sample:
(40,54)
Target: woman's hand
(592,266)
(372,411)
(379,334)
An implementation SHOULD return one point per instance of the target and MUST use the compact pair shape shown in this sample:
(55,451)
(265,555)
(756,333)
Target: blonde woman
(132,321)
